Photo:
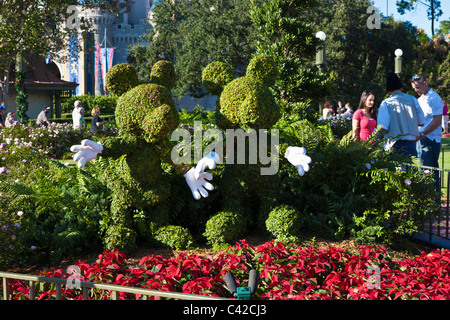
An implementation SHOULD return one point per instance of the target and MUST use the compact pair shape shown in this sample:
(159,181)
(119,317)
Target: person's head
(348,106)
(393,82)
(46,109)
(82,111)
(367,102)
(328,105)
(420,84)
(10,115)
(95,111)
(77,104)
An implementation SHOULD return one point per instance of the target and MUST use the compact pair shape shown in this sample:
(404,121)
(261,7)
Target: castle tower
(101,22)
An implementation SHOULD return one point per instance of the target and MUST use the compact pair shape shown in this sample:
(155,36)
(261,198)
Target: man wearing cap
(42,119)
(400,116)
(429,141)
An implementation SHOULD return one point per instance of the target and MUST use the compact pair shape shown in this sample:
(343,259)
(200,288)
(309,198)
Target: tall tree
(193,33)
(361,57)
(433,12)
(285,35)
(36,27)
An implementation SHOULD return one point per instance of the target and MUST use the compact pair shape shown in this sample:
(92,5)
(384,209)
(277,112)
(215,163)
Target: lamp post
(321,59)
(321,51)
(398,61)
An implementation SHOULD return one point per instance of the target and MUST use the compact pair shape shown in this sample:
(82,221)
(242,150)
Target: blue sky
(418,17)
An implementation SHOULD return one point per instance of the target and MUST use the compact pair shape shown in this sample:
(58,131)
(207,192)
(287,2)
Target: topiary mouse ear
(263,69)
(215,76)
(163,73)
(121,78)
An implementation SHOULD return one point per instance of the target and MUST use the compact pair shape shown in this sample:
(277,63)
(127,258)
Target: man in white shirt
(400,116)
(429,141)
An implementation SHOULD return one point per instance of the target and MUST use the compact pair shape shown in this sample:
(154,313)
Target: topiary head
(163,73)
(247,101)
(147,111)
(121,78)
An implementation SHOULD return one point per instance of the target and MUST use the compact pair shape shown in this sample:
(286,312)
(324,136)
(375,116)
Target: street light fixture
(398,61)
(321,51)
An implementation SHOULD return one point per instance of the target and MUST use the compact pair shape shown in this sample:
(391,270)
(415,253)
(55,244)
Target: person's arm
(383,119)
(355,128)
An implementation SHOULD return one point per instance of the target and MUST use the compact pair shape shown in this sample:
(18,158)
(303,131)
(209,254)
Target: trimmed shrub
(121,238)
(284,224)
(175,237)
(121,78)
(263,69)
(107,104)
(163,73)
(224,228)
(215,76)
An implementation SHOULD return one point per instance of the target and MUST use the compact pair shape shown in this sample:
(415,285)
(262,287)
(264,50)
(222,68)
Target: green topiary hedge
(224,228)
(107,104)
(175,237)
(284,223)
(121,78)
(215,76)
(163,73)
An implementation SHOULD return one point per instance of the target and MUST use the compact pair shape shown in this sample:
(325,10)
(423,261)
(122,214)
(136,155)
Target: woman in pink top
(365,118)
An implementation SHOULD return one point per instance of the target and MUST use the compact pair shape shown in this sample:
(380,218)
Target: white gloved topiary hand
(196,177)
(298,158)
(88,150)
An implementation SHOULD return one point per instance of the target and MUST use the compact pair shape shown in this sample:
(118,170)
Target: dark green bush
(107,104)
(224,228)
(284,223)
(175,237)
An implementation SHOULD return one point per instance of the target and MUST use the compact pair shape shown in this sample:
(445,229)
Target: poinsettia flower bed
(285,273)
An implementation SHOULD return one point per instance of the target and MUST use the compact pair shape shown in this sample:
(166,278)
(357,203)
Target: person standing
(364,119)
(400,116)
(96,120)
(76,114)
(429,141)
(445,118)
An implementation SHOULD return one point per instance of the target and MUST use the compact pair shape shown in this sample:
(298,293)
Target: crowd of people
(413,126)
(43,120)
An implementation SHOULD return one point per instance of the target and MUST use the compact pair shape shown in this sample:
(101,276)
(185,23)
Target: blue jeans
(428,152)
(406,147)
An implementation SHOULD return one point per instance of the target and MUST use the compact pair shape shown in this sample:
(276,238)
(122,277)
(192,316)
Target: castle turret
(102,32)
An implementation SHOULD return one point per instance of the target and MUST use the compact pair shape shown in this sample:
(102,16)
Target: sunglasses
(416,77)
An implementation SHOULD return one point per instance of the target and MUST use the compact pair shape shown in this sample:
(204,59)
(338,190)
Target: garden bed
(320,271)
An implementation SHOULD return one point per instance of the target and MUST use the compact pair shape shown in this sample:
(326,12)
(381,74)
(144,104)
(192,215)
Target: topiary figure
(146,115)
(121,78)
(248,103)
(284,223)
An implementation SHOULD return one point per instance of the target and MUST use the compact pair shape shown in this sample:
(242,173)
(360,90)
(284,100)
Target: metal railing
(437,229)
(87,286)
